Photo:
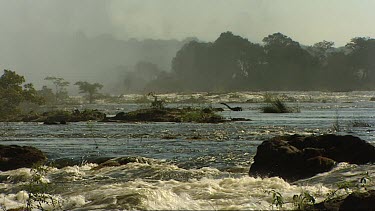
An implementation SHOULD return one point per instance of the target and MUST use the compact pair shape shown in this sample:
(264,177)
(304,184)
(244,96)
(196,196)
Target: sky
(306,21)
(27,24)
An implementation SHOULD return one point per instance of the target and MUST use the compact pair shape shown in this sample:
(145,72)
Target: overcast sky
(306,21)
(36,35)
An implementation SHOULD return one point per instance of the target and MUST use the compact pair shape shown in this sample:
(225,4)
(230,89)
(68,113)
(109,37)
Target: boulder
(354,201)
(359,201)
(14,157)
(296,157)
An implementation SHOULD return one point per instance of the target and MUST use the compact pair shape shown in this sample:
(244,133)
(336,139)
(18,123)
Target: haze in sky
(29,25)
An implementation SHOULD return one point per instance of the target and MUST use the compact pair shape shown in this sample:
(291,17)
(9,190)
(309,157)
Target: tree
(60,87)
(143,72)
(289,65)
(90,89)
(47,94)
(12,93)
(321,50)
(361,59)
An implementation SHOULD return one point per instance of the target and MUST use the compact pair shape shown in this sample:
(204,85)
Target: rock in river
(295,157)
(14,157)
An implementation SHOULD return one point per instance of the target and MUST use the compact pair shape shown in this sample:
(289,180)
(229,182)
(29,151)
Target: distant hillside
(79,57)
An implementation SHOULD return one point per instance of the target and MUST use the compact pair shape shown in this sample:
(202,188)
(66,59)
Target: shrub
(277,106)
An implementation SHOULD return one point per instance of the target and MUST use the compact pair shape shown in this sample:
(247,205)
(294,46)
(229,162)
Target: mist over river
(190,166)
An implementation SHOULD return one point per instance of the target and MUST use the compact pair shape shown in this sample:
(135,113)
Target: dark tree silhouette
(12,93)
(90,89)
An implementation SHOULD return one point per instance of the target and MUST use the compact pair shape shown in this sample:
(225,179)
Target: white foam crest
(156,171)
(74,202)
(71,173)
(13,201)
(194,194)
(113,196)
(19,201)
(17,175)
(228,193)
(22,199)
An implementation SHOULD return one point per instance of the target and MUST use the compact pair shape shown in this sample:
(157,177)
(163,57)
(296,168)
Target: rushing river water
(183,165)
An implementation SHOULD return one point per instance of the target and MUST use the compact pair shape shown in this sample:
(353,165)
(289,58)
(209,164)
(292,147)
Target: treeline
(16,96)
(233,63)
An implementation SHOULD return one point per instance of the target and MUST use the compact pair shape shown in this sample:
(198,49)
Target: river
(186,166)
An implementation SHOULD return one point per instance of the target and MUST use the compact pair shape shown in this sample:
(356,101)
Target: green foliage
(90,89)
(187,114)
(303,201)
(60,88)
(277,199)
(47,94)
(232,63)
(364,181)
(277,106)
(156,104)
(336,124)
(12,94)
(38,190)
(268,97)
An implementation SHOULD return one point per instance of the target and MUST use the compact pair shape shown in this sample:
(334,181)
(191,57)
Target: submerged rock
(123,161)
(296,157)
(14,157)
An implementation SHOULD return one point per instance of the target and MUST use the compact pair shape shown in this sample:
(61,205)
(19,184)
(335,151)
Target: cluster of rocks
(295,157)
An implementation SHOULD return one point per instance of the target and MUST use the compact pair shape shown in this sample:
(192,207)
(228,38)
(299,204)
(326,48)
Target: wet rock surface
(296,157)
(354,201)
(14,157)
(168,115)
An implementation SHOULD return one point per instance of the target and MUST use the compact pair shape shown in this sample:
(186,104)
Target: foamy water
(143,186)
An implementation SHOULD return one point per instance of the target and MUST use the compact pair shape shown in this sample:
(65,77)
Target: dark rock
(123,161)
(187,114)
(359,201)
(354,201)
(319,164)
(119,116)
(296,157)
(240,119)
(72,161)
(14,157)
(50,123)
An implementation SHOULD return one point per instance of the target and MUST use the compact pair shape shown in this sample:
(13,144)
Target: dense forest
(233,63)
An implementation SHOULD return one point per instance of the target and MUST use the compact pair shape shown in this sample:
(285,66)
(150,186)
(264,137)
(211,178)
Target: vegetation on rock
(277,106)
(61,117)
(187,114)
(13,93)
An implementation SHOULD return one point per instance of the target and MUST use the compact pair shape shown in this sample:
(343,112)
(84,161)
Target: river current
(184,165)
